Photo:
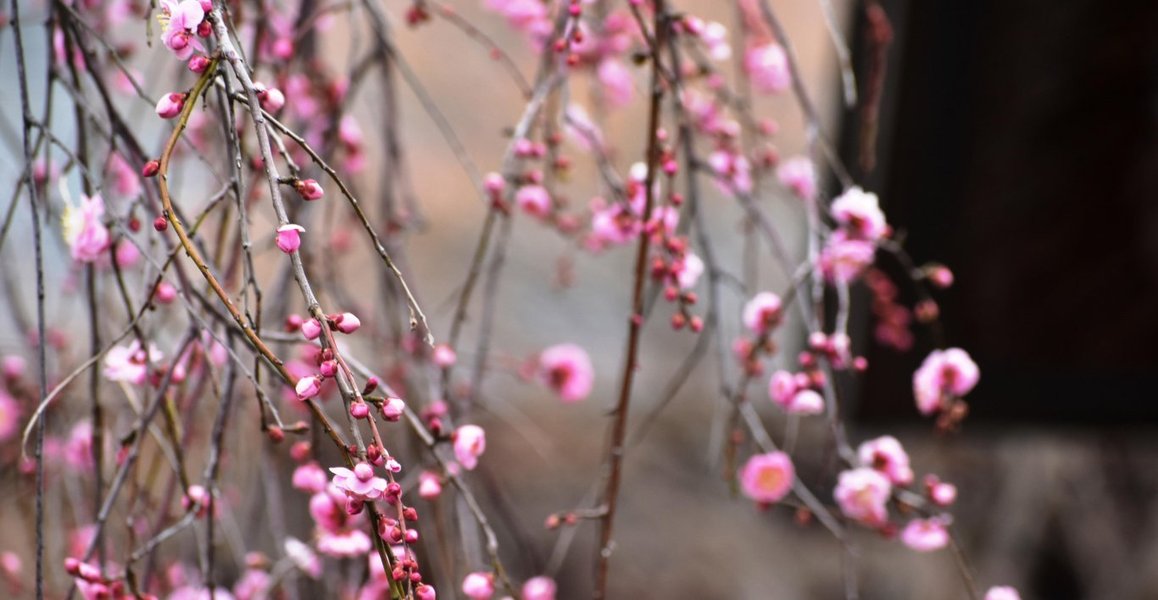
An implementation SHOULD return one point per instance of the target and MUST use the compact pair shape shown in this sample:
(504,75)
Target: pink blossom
(13,366)
(944,372)
(689,271)
(713,34)
(860,213)
(941,493)
(11,565)
(470,441)
(425,592)
(612,226)
(360,483)
(344,543)
(799,175)
(289,237)
(534,200)
(429,485)
(179,21)
(762,313)
(129,363)
(782,388)
(566,369)
(271,99)
(886,455)
(303,557)
(1002,592)
(348,322)
(253,585)
(310,477)
(925,535)
(767,478)
(862,495)
(843,259)
(170,105)
(165,293)
(617,82)
(539,588)
(308,387)
(733,171)
(9,416)
(805,402)
(479,586)
(443,356)
(86,235)
(767,67)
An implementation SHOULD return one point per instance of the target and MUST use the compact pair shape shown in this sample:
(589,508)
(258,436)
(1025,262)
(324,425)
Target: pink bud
(310,189)
(289,237)
(165,293)
(308,387)
(348,323)
(170,105)
(393,408)
(479,586)
(411,536)
(425,592)
(444,356)
(494,183)
(311,329)
(198,63)
(359,410)
(13,366)
(272,100)
(329,368)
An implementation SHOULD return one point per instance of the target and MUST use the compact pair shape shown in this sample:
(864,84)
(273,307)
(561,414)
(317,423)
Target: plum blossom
(733,171)
(425,592)
(1002,592)
(617,82)
(310,477)
(360,483)
(309,189)
(479,586)
(805,402)
(539,588)
(534,200)
(925,535)
(690,269)
(86,235)
(799,175)
(886,455)
(762,313)
(344,543)
(860,214)
(567,370)
(289,237)
(179,22)
(429,485)
(767,478)
(843,259)
(130,363)
(767,67)
(862,495)
(470,441)
(944,372)
(941,493)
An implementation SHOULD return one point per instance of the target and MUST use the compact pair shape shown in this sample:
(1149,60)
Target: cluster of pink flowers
(310,382)
(851,248)
(182,23)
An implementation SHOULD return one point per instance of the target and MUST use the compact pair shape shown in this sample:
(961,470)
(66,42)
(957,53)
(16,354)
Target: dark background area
(1019,145)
